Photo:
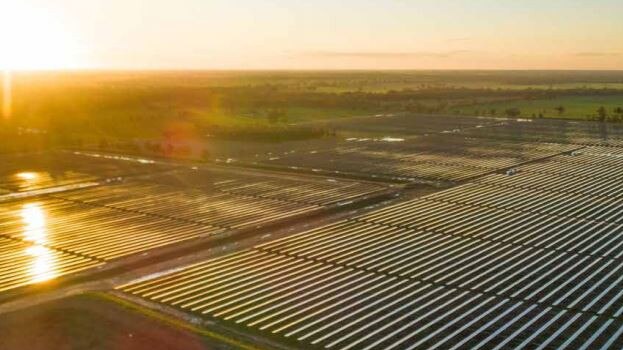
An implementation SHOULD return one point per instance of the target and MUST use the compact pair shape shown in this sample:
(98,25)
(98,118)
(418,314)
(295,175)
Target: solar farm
(60,227)
(401,232)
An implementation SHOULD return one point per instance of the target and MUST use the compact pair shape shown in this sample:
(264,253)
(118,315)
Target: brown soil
(92,322)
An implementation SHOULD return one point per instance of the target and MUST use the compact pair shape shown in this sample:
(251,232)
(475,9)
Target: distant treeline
(272,97)
(261,105)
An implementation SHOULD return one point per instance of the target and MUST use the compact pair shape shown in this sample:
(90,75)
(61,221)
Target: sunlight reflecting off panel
(34,220)
(27,176)
(26,180)
(42,266)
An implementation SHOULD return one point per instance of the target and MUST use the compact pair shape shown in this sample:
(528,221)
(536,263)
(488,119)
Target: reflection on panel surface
(30,260)
(94,231)
(24,263)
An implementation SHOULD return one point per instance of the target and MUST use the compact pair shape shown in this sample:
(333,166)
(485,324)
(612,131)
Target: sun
(33,38)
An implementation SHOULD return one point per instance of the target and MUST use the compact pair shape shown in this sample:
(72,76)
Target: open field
(575,107)
(94,322)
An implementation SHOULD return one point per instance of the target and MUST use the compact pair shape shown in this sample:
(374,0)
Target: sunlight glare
(34,221)
(7,92)
(42,267)
(27,176)
(33,39)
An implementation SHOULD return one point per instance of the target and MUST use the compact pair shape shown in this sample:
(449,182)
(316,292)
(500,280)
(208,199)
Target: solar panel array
(530,260)
(312,303)
(561,165)
(581,133)
(581,206)
(403,124)
(223,199)
(316,193)
(20,173)
(83,227)
(557,183)
(445,158)
(433,148)
(218,210)
(28,181)
(92,231)
(299,189)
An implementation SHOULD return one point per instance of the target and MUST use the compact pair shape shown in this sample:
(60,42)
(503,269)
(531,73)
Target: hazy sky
(317,34)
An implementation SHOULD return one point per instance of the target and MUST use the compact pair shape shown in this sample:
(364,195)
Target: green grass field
(575,107)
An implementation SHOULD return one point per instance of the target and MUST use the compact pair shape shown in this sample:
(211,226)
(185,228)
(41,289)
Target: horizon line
(164,70)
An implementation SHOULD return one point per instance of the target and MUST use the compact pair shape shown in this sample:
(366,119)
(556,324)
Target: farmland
(91,108)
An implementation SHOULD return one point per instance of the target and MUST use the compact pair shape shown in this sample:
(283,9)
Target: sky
(318,34)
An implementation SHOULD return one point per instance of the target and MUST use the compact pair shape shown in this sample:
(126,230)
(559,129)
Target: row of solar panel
(562,132)
(409,160)
(316,193)
(219,210)
(581,206)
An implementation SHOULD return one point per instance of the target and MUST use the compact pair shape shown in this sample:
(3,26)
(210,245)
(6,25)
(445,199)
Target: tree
(618,110)
(602,113)
(513,112)
(560,110)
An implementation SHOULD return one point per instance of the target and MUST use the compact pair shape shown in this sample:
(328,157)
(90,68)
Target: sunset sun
(34,39)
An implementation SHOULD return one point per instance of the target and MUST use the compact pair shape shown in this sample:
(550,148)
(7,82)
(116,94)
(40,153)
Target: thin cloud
(384,54)
(598,54)
(457,40)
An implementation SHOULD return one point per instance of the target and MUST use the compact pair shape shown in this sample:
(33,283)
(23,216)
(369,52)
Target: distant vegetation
(107,108)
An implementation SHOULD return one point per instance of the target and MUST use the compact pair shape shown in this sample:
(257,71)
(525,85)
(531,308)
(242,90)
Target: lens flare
(7,94)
